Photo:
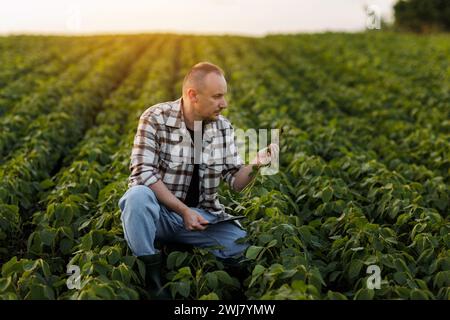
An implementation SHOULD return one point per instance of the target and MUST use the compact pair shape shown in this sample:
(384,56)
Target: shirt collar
(176,120)
(175,117)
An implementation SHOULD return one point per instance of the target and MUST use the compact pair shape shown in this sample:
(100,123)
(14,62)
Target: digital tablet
(220,220)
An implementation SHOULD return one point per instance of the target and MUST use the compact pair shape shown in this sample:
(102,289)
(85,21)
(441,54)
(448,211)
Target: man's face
(211,97)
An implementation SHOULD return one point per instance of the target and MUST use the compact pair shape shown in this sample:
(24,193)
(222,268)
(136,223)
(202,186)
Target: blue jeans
(145,220)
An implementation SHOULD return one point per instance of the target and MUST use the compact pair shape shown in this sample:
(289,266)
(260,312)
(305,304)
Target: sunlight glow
(255,17)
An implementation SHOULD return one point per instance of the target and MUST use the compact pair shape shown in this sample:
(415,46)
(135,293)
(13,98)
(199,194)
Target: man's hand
(263,158)
(194,221)
(266,155)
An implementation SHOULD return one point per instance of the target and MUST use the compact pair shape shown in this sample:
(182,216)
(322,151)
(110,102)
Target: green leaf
(46,184)
(103,291)
(209,296)
(116,275)
(183,273)
(364,294)
(265,238)
(85,224)
(401,266)
(86,242)
(417,294)
(114,256)
(184,287)
(224,277)
(180,259)
(40,292)
(47,236)
(400,278)
(272,243)
(171,258)
(334,275)
(5,283)
(253,252)
(336,296)
(371,260)
(66,246)
(299,285)
(257,272)
(10,267)
(30,265)
(355,269)
(403,292)
(45,268)
(317,279)
(275,269)
(305,233)
(212,280)
(442,279)
(327,194)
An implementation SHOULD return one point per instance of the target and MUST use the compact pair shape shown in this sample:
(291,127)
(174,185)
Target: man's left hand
(267,155)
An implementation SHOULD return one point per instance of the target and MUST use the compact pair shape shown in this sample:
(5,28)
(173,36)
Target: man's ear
(192,94)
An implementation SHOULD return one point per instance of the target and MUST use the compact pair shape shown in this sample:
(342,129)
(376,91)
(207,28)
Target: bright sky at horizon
(251,17)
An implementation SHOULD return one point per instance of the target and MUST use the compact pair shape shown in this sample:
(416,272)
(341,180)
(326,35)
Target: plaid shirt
(163,150)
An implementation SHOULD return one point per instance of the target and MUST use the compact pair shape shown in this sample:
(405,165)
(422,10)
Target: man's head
(204,89)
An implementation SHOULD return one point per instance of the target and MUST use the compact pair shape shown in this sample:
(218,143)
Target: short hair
(199,71)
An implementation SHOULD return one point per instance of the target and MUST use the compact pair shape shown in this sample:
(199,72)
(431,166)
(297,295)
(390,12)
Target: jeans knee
(233,248)
(240,233)
(138,202)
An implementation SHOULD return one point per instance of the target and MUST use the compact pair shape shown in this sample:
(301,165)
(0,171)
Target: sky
(247,17)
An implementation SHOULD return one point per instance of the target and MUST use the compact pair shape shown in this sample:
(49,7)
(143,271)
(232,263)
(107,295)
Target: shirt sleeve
(145,153)
(233,161)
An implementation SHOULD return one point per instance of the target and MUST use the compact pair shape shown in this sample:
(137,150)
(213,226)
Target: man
(172,195)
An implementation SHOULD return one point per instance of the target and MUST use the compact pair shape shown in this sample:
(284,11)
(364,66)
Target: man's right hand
(194,221)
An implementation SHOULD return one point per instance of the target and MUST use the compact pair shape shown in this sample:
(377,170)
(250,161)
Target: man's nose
(224,104)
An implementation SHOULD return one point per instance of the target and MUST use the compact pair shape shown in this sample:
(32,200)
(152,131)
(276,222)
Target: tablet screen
(219,220)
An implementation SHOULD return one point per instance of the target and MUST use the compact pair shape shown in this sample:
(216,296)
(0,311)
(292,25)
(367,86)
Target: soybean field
(364,163)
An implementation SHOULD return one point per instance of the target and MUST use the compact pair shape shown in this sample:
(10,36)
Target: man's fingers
(201,220)
(196,222)
(203,224)
(199,227)
(274,148)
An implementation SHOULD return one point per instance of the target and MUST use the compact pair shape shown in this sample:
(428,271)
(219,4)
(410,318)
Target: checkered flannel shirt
(163,150)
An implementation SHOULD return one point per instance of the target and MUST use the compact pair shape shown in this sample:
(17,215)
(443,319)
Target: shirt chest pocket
(213,174)
(176,150)
(172,172)
(172,164)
